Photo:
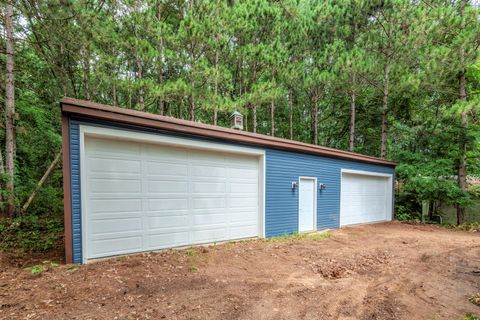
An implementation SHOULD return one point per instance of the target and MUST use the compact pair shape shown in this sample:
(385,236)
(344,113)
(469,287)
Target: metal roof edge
(114,113)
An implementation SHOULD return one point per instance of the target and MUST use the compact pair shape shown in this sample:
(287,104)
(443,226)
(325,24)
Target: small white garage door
(365,198)
(142,196)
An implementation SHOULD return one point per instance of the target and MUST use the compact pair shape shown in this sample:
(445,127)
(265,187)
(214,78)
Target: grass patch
(39,268)
(191,252)
(73,268)
(315,236)
(193,269)
(470,316)
(475,299)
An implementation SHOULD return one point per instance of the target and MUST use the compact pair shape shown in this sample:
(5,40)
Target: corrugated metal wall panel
(281,203)
(75,189)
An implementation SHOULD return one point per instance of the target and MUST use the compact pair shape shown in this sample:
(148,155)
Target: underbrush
(467,226)
(30,233)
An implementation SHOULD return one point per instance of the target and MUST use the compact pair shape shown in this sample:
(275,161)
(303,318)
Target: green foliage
(470,316)
(278,60)
(39,268)
(31,233)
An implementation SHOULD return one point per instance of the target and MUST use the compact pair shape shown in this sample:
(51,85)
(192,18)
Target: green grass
(470,316)
(191,252)
(39,268)
(300,236)
(193,269)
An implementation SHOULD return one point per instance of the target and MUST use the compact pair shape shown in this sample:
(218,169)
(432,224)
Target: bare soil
(381,271)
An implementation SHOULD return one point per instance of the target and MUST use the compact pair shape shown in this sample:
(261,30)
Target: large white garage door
(142,196)
(365,198)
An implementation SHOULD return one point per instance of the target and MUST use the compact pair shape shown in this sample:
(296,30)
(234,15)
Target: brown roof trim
(133,117)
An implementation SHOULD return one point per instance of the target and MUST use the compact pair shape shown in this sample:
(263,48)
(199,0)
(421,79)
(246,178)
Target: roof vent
(236,120)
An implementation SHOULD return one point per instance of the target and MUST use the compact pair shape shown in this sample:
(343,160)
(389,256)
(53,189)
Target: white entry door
(306,206)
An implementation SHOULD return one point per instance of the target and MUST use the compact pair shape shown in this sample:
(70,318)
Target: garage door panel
(114,185)
(113,148)
(208,203)
(167,240)
(167,204)
(208,158)
(167,186)
(166,169)
(117,225)
(243,202)
(155,152)
(153,197)
(207,187)
(171,220)
(102,247)
(244,187)
(243,231)
(114,205)
(114,165)
(244,173)
(209,235)
(241,160)
(244,216)
(208,171)
(209,219)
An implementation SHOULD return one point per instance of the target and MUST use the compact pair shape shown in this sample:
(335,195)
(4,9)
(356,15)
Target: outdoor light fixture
(322,186)
(294,185)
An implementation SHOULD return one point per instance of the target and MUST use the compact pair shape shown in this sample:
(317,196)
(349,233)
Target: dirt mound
(334,268)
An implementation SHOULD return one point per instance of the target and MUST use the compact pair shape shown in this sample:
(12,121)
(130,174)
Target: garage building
(137,182)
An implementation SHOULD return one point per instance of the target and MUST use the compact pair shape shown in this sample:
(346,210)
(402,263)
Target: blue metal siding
(281,203)
(76,195)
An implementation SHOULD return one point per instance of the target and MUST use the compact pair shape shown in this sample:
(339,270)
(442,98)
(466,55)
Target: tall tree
(10,110)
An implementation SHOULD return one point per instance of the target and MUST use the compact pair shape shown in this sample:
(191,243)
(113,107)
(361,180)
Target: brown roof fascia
(144,119)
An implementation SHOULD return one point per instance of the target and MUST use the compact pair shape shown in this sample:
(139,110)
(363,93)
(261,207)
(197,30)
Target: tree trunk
(86,73)
(314,120)
(114,93)
(114,83)
(2,173)
(290,104)
(383,145)
(192,108)
(272,115)
(215,110)
(10,111)
(254,106)
(141,100)
(161,108)
(462,163)
(351,141)
(41,182)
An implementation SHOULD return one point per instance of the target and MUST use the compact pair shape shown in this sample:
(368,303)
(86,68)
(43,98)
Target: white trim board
(141,137)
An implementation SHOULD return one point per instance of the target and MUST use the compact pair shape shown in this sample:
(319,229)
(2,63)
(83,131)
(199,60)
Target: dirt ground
(382,271)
